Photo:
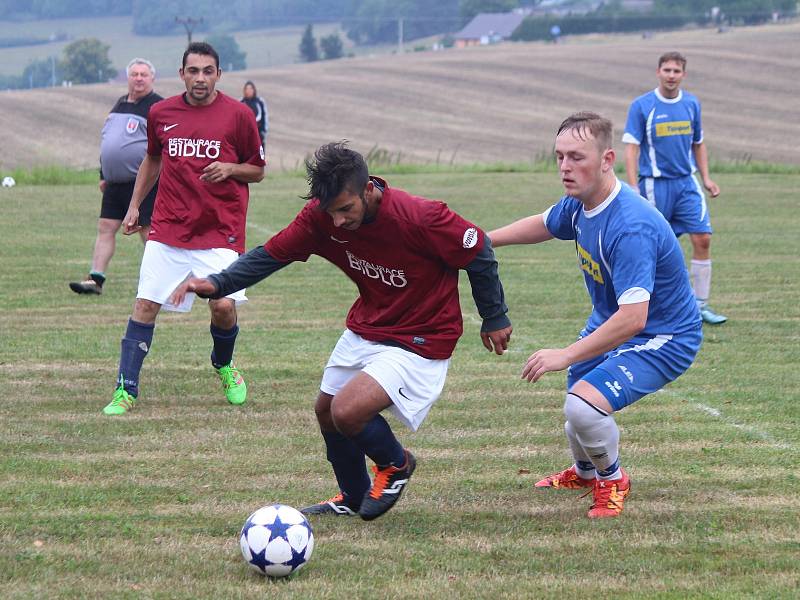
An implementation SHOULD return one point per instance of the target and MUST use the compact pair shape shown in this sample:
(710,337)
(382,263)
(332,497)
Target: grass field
(150,505)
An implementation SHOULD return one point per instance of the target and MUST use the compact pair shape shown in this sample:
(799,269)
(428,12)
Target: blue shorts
(640,366)
(680,200)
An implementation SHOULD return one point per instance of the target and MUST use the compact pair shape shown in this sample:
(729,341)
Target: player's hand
(130,224)
(217,171)
(544,361)
(102,184)
(712,187)
(497,341)
(201,287)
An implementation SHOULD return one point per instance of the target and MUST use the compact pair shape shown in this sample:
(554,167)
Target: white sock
(701,280)
(597,433)
(583,464)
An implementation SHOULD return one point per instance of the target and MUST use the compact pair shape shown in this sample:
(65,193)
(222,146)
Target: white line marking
(717,414)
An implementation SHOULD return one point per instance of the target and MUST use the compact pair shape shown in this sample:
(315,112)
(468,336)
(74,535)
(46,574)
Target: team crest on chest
(132,126)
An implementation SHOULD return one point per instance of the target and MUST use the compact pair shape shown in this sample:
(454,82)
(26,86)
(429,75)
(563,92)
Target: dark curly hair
(333,169)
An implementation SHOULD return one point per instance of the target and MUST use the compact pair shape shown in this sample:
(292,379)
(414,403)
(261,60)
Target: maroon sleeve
(249,147)
(298,240)
(450,237)
(154,146)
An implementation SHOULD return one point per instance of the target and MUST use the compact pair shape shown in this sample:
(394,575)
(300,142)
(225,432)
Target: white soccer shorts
(412,382)
(165,267)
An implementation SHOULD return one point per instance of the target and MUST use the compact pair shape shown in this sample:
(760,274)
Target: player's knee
(322,409)
(223,313)
(346,417)
(701,242)
(581,415)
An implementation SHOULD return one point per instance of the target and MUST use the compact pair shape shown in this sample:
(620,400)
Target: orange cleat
(565,480)
(609,496)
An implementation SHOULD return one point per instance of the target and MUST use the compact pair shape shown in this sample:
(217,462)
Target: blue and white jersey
(628,254)
(665,130)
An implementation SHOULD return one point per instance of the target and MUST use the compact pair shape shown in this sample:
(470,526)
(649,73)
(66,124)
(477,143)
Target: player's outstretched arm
(629,320)
(530,230)
(202,287)
(245,271)
(487,291)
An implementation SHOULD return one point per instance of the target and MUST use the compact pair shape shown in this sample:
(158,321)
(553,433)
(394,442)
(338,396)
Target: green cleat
(233,384)
(121,403)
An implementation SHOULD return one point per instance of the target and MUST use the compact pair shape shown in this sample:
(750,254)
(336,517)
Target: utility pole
(400,49)
(189,24)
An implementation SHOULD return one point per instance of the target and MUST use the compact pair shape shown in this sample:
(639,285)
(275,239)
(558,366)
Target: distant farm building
(489,28)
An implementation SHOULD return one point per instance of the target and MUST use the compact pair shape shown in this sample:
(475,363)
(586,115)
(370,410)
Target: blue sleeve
(635,124)
(559,218)
(633,262)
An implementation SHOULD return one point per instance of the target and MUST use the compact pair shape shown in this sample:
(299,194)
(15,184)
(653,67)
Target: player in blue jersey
(664,139)
(644,330)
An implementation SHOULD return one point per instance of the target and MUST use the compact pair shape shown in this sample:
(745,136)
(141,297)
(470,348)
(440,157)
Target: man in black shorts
(122,148)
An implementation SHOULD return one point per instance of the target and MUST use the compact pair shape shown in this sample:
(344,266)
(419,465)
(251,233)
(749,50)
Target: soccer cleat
(89,286)
(121,403)
(387,486)
(567,479)
(335,506)
(710,317)
(233,384)
(608,496)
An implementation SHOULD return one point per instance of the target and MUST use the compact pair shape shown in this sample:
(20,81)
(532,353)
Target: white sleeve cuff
(627,138)
(633,296)
(546,214)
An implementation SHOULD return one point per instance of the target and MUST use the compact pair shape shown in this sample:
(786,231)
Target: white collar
(674,100)
(602,206)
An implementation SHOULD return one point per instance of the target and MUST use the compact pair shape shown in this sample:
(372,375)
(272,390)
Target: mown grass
(149,505)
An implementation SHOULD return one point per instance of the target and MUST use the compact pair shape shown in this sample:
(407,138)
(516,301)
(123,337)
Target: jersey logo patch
(589,265)
(132,126)
(168,127)
(470,238)
(669,128)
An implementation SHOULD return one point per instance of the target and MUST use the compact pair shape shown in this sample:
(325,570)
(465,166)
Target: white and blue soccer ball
(276,540)
(8,181)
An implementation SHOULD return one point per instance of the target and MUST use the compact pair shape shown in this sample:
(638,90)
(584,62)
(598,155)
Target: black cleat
(389,483)
(335,506)
(89,286)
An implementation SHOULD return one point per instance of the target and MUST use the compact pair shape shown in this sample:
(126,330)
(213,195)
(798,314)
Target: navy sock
(224,340)
(135,346)
(377,441)
(99,278)
(349,467)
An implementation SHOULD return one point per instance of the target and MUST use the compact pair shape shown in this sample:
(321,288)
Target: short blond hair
(601,128)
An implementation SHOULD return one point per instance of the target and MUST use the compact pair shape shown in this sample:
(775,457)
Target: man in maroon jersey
(204,149)
(403,253)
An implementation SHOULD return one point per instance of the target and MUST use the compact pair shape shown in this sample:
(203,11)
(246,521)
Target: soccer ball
(276,540)
(9,181)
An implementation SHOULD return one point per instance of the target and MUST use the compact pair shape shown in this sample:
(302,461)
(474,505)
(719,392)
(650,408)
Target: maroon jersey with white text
(189,212)
(405,264)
